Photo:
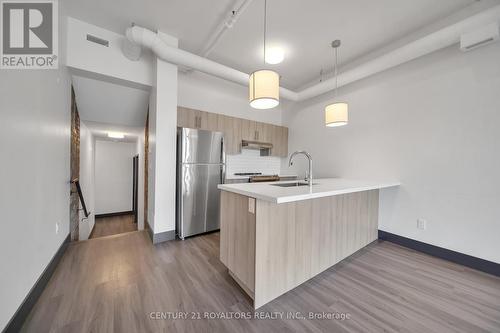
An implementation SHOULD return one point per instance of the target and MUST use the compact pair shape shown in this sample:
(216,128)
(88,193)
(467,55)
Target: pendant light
(264,84)
(336,114)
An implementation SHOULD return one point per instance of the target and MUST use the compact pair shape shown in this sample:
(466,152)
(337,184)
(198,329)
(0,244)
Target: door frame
(135,187)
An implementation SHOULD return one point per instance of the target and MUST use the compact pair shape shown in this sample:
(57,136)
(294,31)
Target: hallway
(114,283)
(113,225)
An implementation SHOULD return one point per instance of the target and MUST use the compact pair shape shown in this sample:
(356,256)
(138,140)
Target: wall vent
(97,40)
(479,37)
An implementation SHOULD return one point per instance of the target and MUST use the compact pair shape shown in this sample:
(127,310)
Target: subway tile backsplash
(250,161)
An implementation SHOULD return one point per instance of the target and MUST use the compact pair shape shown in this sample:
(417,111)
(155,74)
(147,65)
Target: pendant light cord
(335,71)
(265,28)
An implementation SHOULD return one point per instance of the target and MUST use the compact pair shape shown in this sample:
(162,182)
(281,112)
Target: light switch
(251,205)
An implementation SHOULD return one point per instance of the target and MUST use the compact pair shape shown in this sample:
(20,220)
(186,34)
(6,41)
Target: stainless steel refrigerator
(200,168)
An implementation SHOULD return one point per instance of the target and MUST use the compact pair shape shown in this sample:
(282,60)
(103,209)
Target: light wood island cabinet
(272,239)
(272,248)
(236,129)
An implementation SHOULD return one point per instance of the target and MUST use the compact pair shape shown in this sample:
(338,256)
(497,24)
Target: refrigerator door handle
(182,218)
(223,173)
(180,232)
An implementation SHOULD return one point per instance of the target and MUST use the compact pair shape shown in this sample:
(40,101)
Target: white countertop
(322,188)
(233,176)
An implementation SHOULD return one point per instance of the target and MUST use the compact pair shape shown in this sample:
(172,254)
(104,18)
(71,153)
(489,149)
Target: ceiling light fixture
(275,55)
(337,113)
(116,135)
(264,84)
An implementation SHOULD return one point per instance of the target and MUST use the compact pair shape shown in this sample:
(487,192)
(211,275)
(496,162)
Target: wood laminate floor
(107,226)
(113,284)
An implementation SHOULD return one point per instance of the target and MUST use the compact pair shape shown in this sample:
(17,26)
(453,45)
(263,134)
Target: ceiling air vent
(97,40)
(483,36)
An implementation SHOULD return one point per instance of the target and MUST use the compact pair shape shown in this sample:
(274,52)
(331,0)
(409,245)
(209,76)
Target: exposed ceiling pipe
(228,23)
(430,43)
(148,39)
(420,47)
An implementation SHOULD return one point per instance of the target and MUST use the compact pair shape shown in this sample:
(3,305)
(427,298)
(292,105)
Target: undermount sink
(294,184)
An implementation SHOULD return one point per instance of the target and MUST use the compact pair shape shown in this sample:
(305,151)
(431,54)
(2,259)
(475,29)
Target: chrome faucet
(309,176)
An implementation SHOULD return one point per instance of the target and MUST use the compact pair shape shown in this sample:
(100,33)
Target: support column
(162,149)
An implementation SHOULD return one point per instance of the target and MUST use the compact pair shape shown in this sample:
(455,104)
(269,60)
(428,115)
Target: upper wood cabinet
(280,141)
(231,127)
(189,118)
(265,132)
(211,121)
(248,130)
(235,130)
(256,131)
(192,118)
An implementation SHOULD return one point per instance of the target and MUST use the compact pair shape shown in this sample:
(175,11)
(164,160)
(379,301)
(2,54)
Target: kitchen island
(274,237)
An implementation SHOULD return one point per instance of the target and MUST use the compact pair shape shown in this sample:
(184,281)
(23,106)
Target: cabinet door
(265,132)
(284,141)
(280,141)
(232,134)
(259,127)
(248,130)
(202,121)
(276,141)
(181,117)
(189,118)
(236,144)
(198,119)
(210,121)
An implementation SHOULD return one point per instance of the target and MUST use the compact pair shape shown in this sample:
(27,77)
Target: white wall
(87,180)
(162,145)
(100,60)
(151,158)
(34,177)
(113,176)
(433,125)
(208,93)
(140,197)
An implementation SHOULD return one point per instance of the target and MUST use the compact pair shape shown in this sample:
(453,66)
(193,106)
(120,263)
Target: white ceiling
(189,20)
(110,103)
(101,130)
(306,32)
(304,28)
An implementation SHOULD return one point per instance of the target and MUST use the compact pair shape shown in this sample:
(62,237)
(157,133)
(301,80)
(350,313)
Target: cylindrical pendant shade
(264,89)
(336,114)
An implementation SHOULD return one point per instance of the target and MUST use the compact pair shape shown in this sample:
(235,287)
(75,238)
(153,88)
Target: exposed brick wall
(75,167)
(146,158)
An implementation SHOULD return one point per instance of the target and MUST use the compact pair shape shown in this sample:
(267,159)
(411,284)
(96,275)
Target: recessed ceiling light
(275,55)
(116,135)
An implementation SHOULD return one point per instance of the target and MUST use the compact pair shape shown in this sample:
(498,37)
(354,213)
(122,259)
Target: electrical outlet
(251,205)
(421,224)
(57,227)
